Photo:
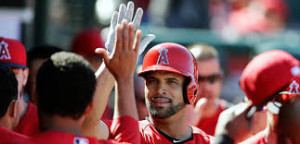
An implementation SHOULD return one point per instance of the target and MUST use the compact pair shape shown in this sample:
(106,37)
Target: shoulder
(200,136)
(50,137)
(8,136)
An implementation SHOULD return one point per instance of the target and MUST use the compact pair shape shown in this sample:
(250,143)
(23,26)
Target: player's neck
(59,123)
(175,126)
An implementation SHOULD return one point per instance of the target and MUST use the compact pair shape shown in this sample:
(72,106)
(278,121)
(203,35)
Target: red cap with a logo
(292,89)
(267,74)
(12,53)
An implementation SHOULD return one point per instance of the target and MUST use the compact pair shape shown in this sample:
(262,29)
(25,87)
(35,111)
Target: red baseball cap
(86,41)
(292,89)
(12,53)
(267,74)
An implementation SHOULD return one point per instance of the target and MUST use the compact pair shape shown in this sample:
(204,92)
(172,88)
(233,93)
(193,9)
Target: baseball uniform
(149,134)
(11,137)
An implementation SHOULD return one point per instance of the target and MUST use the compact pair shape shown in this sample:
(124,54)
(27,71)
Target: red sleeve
(125,129)
(109,123)
(29,123)
(11,137)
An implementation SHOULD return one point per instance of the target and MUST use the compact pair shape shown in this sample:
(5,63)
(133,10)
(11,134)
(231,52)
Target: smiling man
(170,71)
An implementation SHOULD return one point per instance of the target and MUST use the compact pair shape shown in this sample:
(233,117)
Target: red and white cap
(12,53)
(266,75)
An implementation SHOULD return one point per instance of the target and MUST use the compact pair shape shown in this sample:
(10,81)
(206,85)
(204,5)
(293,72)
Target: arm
(122,65)
(105,79)
(92,126)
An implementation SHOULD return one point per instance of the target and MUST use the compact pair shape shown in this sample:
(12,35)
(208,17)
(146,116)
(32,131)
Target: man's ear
(89,108)
(13,109)
(25,73)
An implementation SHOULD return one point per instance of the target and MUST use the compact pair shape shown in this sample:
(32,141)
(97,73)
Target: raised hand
(122,61)
(126,13)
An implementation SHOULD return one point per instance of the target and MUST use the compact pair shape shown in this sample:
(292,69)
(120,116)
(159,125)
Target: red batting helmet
(175,58)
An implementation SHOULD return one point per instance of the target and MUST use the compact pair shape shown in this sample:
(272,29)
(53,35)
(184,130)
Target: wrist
(125,79)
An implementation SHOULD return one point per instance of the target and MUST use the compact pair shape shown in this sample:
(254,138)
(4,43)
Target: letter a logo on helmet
(163,57)
(4,53)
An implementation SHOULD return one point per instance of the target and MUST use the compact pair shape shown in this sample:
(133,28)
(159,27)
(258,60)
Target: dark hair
(8,88)
(41,52)
(65,85)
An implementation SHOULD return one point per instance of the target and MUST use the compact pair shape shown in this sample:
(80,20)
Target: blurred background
(239,29)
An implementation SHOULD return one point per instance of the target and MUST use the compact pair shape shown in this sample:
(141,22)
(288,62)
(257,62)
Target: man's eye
(172,82)
(151,81)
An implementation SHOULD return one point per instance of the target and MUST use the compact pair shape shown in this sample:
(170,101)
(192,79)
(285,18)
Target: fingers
(138,36)
(113,21)
(125,35)
(121,13)
(131,35)
(119,39)
(103,53)
(129,11)
(145,41)
(111,35)
(137,18)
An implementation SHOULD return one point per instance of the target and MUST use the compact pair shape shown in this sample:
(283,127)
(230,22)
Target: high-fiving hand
(122,61)
(126,13)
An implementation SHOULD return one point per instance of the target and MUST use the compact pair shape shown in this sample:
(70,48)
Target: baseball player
(13,55)
(170,72)
(64,106)
(9,107)
(208,105)
(262,80)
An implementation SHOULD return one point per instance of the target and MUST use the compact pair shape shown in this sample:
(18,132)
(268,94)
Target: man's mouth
(160,101)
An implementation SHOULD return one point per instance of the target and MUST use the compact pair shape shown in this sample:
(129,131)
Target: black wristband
(223,139)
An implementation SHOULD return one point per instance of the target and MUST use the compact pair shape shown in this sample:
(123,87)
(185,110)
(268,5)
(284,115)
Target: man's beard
(163,113)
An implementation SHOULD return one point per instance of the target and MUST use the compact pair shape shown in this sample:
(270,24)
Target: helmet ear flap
(184,90)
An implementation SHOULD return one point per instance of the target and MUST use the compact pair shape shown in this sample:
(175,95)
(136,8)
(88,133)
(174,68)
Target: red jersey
(208,125)
(259,138)
(123,130)
(57,137)
(29,123)
(150,135)
(10,137)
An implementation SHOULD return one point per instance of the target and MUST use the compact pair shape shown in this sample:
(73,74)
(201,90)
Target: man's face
(210,80)
(21,76)
(164,95)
